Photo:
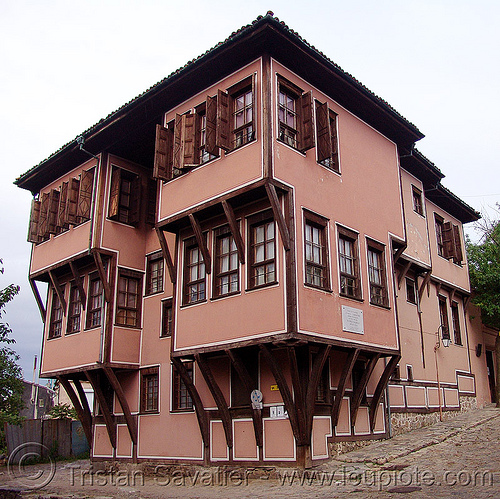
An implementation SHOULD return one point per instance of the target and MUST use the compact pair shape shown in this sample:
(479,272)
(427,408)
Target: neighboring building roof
(265,35)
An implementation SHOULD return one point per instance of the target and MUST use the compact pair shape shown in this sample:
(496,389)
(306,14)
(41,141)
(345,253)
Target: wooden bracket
(398,254)
(166,254)
(235,231)
(403,273)
(79,284)
(425,282)
(102,275)
(202,243)
(360,389)
(341,386)
(59,291)
(38,300)
(278,215)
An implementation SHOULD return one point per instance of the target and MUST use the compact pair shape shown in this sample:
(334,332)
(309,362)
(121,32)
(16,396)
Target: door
(491,374)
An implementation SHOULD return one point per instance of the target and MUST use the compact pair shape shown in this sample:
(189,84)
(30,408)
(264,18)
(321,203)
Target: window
(326,130)
(154,273)
(262,250)
(167,318)
(243,128)
(203,154)
(417,201)
(295,121)
(316,251)
(409,372)
(194,273)
(181,400)
(94,307)
(128,303)
(226,278)
(448,239)
(411,295)
(439,222)
(124,202)
(74,309)
(323,390)
(457,335)
(376,274)
(396,374)
(56,315)
(149,390)
(350,282)
(443,315)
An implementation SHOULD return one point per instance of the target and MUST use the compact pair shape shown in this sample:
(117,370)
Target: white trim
(321,456)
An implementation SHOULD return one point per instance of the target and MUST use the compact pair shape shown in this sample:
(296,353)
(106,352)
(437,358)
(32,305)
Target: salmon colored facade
(230,259)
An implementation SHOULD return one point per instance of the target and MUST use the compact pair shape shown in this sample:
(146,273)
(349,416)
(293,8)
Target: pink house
(251,263)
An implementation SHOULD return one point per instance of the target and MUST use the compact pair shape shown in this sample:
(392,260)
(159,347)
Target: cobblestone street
(456,458)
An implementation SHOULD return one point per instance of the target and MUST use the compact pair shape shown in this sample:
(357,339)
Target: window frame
(218,274)
(288,90)
(190,244)
(147,396)
(93,298)
(244,88)
(378,249)
(443,317)
(327,138)
(181,399)
(415,292)
(118,210)
(455,321)
(352,237)
(72,304)
(167,323)
(439,229)
(417,201)
(315,221)
(129,275)
(151,260)
(57,314)
(263,218)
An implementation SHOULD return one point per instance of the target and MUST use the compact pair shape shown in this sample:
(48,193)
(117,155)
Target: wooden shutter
(34,219)
(85,195)
(151,211)
(61,216)
(44,211)
(211,126)
(53,211)
(324,132)
(448,240)
(135,200)
(223,137)
(114,193)
(72,201)
(163,153)
(333,134)
(306,129)
(177,159)
(189,140)
(458,256)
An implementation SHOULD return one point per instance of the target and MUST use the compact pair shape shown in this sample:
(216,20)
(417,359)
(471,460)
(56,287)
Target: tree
(484,269)
(11,379)
(62,411)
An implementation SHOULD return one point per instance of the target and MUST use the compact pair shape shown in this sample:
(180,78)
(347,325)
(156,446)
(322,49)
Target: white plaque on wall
(352,320)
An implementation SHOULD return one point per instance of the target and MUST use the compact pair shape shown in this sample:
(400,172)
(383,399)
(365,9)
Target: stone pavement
(457,458)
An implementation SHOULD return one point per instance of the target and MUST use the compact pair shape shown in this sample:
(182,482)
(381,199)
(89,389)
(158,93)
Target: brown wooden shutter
(189,140)
(44,212)
(163,153)
(458,256)
(151,211)
(333,135)
(135,200)
(306,130)
(85,195)
(323,131)
(53,211)
(223,139)
(448,240)
(211,127)
(61,217)
(34,219)
(114,193)
(177,159)
(72,201)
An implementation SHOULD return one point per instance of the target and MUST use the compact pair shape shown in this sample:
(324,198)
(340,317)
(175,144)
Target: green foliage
(484,269)
(11,384)
(62,411)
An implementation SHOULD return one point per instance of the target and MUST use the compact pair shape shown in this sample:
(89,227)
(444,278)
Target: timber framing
(172,272)
(38,299)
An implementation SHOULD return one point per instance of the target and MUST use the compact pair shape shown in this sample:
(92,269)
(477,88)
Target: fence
(60,438)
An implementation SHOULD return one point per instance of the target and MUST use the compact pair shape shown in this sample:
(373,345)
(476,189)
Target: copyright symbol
(23,466)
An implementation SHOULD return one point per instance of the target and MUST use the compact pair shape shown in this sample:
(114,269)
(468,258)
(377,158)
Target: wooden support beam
(425,282)
(202,242)
(84,418)
(278,215)
(357,396)
(195,397)
(247,380)
(341,386)
(218,397)
(298,390)
(452,294)
(113,381)
(381,385)
(403,273)
(398,254)
(83,398)
(106,412)
(166,254)
(59,291)
(285,393)
(108,296)
(312,387)
(235,230)
(79,284)
(38,299)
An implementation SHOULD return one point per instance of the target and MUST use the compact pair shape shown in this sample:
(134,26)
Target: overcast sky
(67,64)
